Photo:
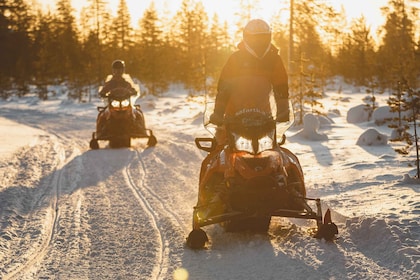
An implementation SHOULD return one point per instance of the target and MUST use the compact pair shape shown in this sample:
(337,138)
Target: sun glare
(264,9)
(226,10)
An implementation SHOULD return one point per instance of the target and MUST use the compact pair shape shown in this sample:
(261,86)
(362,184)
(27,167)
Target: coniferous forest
(40,48)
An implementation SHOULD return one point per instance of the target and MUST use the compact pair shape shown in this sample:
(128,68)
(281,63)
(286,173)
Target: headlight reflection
(115,103)
(243,144)
(125,103)
(122,104)
(266,142)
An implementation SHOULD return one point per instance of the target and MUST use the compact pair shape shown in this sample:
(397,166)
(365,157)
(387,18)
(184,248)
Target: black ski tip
(328,229)
(197,239)
(327,232)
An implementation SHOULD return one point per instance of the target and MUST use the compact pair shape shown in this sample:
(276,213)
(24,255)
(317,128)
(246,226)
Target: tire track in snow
(162,203)
(158,270)
(165,221)
(51,218)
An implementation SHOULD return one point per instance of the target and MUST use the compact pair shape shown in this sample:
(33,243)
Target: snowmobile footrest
(297,214)
(221,218)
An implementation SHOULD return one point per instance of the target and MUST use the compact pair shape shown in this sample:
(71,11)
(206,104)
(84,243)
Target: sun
(227,9)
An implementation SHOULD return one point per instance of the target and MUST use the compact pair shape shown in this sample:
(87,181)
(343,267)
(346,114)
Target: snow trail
(67,212)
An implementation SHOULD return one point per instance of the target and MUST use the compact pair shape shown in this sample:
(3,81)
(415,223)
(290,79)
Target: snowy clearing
(68,212)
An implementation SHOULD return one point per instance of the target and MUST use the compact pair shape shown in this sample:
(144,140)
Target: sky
(226,9)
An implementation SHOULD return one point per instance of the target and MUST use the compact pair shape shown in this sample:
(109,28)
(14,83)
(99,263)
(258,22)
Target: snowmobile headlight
(115,103)
(265,143)
(243,144)
(125,103)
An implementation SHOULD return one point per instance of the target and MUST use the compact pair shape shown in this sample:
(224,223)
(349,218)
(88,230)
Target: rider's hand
(283,116)
(216,119)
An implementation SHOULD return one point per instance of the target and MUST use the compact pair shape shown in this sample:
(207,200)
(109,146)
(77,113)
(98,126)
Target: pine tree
(298,87)
(122,32)
(410,105)
(280,37)
(357,54)
(313,93)
(246,11)
(396,56)
(217,50)
(370,99)
(96,25)
(190,37)
(93,72)
(96,17)
(69,52)
(16,24)
(310,17)
(45,47)
(396,104)
(413,106)
(153,59)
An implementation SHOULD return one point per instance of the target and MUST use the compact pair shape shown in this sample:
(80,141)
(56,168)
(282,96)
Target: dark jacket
(116,82)
(243,75)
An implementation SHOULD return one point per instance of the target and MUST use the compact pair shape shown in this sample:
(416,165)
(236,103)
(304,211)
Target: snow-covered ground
(67,212)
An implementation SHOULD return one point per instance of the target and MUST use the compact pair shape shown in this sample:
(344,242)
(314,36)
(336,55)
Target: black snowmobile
(251,179)
(120,121)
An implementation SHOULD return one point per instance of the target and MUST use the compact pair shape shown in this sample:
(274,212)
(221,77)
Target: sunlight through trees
(41,47)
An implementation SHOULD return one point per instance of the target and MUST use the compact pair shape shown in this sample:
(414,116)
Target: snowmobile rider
(117,80)
(256,66)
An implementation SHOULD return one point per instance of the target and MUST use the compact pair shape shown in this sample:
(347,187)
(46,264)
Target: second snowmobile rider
(117,80)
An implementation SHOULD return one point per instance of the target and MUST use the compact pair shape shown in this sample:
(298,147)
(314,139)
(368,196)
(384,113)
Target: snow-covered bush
(372,137)
(358,114)
(310,129)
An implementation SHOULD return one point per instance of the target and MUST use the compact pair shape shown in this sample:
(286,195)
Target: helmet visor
(258,42)
(118,64)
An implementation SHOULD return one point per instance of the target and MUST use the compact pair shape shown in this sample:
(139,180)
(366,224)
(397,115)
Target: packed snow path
(68,212)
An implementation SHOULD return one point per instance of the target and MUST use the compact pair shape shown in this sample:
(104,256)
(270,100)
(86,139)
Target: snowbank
(15,136)
(381,114)
(358,114)
(310,129)
(372,137)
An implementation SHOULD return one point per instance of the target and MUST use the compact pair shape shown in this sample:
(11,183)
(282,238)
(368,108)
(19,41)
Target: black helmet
(257,37)
(118,64)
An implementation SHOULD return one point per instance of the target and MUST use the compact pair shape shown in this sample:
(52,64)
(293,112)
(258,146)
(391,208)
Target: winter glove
(133,92)
(282,110)
(216,119)
(283,116)
(103,94)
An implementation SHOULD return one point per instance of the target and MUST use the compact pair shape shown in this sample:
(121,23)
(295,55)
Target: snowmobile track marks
(162,218)
(52,216)
(149,211)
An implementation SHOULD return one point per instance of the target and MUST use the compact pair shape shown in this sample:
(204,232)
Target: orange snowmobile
(120,121)
(251,179)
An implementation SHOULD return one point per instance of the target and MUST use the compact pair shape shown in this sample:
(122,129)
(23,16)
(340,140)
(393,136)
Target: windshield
(281,127)
(134,85)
